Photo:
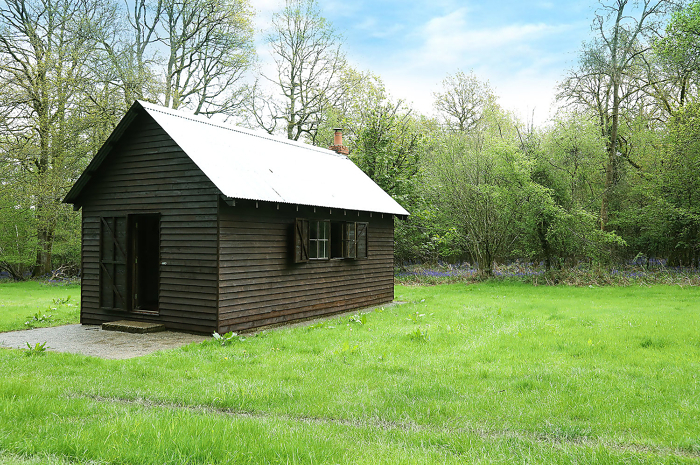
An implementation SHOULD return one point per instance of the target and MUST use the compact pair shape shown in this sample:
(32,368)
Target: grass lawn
(38,303)
(484,373)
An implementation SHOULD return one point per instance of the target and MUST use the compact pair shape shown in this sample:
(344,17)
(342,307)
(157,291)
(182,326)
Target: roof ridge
(194,118)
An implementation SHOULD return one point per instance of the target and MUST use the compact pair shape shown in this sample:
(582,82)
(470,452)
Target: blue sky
(523,48)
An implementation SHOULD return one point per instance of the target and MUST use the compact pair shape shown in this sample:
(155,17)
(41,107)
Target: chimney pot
(338,137)
(338,146)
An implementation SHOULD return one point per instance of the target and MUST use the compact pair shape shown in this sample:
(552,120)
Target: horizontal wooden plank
(236,267)
(284,316)
(157,191)
(171,314)
(176,174)
(177,231)
(173,211)
(261,303)
(133,162)
(175,279)
(158,204)
(279,284)
(191,295)
(301,296)
(169,274)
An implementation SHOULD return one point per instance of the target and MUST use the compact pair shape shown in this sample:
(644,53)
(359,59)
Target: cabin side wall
(259,283)
(147,173)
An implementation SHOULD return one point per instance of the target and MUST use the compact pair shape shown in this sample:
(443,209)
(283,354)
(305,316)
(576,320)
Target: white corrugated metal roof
(247,165)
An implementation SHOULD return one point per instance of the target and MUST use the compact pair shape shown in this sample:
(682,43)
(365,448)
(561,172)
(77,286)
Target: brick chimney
(338,146)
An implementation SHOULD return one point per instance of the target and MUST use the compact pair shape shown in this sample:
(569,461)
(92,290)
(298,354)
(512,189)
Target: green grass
(38,303)
(486,373)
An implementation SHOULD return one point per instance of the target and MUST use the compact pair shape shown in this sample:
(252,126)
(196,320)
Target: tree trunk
(485,264)
(544,243)
(612,153)
(605,200)
(43,253)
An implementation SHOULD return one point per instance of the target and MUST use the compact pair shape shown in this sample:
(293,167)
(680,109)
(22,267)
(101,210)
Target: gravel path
(92,340)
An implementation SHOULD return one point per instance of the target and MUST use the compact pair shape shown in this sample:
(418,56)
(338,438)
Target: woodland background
(612,177)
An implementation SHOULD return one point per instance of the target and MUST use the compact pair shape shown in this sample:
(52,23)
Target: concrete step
(128,326)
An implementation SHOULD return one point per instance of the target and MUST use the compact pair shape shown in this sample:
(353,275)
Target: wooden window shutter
(301,240)
(362,240)
(350,240)
(113,263)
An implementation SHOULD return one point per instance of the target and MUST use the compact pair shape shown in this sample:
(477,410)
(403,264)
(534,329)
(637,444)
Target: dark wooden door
(114,289)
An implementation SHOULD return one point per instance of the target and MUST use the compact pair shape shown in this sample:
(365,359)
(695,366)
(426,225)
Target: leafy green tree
(384,137)
(481,181)
(43,47)
(573,151)
(561,223)
(680,184)
(608,80)
(388,149)
(664,220)
(18,239)
(464,101)
(677,55)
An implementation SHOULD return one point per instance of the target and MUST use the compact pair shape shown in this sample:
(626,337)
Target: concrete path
(92,340)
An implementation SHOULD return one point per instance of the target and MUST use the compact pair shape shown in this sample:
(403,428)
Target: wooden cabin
(207,227)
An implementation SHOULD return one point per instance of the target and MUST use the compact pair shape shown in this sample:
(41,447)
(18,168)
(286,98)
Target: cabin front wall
(260,283)
(147,173)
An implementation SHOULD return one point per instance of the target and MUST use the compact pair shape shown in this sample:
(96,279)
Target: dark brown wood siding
(261,285)
(147,172)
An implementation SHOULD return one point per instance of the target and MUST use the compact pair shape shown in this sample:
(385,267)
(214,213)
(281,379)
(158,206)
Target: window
(355,240)
(324,239)
(319,238)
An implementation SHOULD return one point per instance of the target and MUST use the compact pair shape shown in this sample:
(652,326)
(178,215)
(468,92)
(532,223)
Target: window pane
(350,250)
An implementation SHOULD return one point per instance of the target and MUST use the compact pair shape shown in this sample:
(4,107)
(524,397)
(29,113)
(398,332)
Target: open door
(145,262)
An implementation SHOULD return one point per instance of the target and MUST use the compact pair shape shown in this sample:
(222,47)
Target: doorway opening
(145,262)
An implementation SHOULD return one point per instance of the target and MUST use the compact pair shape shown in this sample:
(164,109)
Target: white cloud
(452,37)
(372,27)
(514,58)
(522,60)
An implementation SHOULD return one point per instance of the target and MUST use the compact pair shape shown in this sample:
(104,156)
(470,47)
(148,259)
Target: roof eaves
(229,201)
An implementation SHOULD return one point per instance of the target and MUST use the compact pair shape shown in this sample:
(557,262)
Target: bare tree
(463,101)
(128,61)
(308,58)
(209,48)
(182,53)
(605,80)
